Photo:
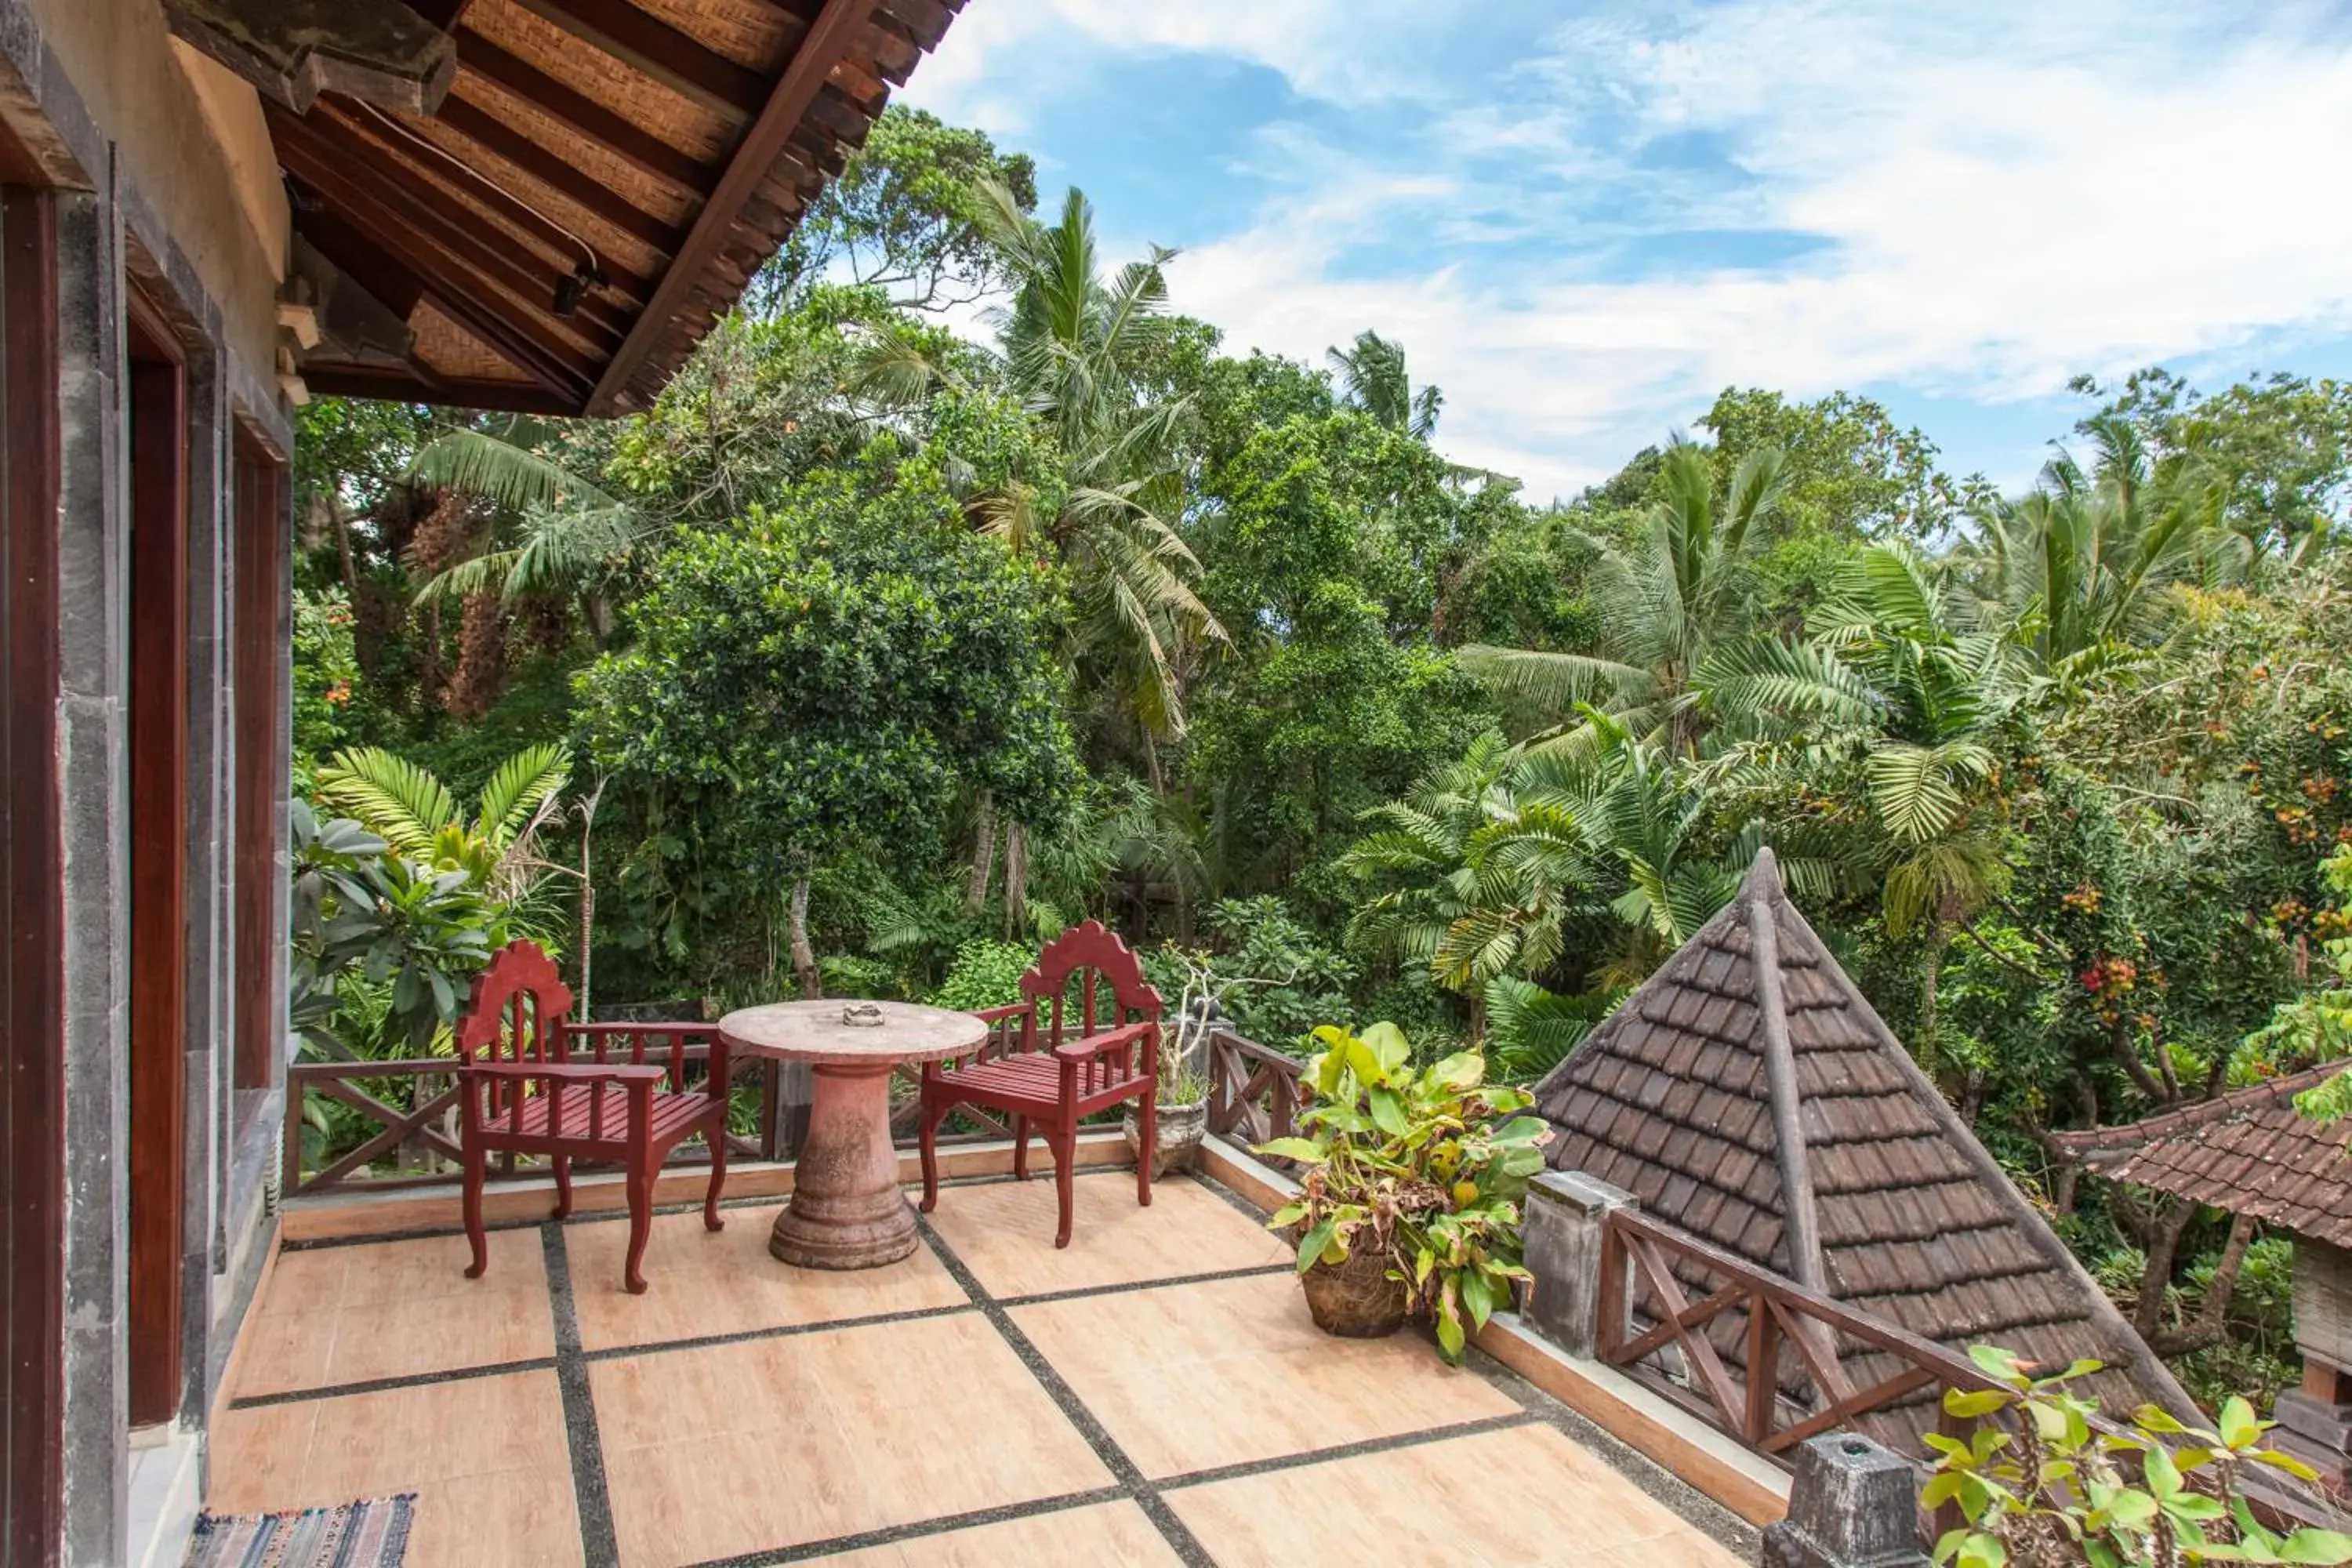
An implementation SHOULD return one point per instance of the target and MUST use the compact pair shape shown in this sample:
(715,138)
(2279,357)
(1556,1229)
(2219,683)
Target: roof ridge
(2153,1375)
(2090,1142)
(1760,899)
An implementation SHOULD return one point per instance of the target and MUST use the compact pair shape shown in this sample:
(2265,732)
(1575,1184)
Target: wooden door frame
(32,997)
(157,433)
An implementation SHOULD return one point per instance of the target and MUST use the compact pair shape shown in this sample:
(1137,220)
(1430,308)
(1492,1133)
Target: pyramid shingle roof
(1747,1093)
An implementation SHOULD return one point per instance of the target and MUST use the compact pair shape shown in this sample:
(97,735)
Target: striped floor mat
(371,1534)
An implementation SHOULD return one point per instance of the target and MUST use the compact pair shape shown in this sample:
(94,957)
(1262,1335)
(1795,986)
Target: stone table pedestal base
(846,1211)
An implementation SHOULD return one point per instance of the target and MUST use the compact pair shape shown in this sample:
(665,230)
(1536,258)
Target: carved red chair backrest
(520,1006)
(1088,965)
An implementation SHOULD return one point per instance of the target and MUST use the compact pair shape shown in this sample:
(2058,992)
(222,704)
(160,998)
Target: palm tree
(575,537)
(1373,378)
(1905,689)
(1675,595)
(1073,345)
(2079,566)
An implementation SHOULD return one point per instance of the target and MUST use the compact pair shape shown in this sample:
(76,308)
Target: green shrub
(984,974)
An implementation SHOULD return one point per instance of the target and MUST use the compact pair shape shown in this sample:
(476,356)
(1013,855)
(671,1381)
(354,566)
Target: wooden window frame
(32,996)
(157,432)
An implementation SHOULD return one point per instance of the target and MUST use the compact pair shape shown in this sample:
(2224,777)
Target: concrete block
(1561,1236)
(1854,1504)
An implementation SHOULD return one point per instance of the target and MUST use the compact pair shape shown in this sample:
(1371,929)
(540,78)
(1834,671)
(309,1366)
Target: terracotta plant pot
(1178,1144)
(1356,1300)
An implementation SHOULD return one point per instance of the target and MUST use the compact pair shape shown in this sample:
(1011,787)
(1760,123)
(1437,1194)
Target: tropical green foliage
(1424,1165)
(2038,1481)
(894,648)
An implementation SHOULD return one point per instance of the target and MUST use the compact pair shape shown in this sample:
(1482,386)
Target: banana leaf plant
(1427,1165)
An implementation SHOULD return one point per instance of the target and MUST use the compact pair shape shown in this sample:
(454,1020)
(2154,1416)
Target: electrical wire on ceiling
(588,273)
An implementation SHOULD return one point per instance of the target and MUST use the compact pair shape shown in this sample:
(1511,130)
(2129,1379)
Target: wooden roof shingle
(1817,1149)
(2249,1151)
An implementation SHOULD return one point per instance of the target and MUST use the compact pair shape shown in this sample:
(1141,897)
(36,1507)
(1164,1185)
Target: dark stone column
(1561,1244)
(94,787)
(1854,1504)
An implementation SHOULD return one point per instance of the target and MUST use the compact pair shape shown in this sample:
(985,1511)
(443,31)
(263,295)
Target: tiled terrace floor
(1154,1394)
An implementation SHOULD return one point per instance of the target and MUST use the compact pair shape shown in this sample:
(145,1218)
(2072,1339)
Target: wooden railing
(411,1107)
(1255,1091)
(1792,1379)
(1804,1363)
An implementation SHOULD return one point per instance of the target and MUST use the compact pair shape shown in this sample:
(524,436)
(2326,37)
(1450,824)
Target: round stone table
(846,1211)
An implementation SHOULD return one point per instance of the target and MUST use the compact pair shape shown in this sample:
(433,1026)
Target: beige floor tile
(860,1428)
(1192,1377)
(1111,1534)
(336,1315)
(1004,1231)
(704,1282)
(1412,1505)
(487,1458)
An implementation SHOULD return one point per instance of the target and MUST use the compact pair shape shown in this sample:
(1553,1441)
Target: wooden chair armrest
(998,1014)
(622,1073)
(1103,1044)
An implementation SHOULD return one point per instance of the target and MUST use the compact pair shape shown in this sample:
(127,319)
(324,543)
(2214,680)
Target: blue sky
(1584,220)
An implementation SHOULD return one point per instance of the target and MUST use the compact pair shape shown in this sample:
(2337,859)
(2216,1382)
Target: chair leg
(475,1168)
(562,1164)
(1148,1123)
(716,1136)
(1064,1142)
(927,1137)
(1020,1148)
(641,1220)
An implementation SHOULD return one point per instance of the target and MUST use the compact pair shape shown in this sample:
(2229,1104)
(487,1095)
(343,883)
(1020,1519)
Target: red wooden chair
(532,1083)
(1055,1074)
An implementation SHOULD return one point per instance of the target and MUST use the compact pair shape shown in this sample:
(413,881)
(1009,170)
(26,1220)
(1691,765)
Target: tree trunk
(1931,979)
(2119,1044)
(983,854)
(2212,1319)
(587,892)
(804,956)
(2156,1277)
(1016,881)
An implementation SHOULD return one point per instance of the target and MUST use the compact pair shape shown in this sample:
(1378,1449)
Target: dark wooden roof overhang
(594,186)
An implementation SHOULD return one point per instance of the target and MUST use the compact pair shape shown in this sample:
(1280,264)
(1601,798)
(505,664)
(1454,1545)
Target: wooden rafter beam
(331,157)
(647,44)
(640,148)
(424,171)
(827,39)
(551,169)
(391,385)
(461,293)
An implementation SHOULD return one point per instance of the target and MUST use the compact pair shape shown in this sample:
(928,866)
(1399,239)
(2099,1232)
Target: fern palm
(403,804)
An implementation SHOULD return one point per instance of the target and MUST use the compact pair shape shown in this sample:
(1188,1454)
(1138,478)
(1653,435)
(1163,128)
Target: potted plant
(1181,1117)
(1410,1199)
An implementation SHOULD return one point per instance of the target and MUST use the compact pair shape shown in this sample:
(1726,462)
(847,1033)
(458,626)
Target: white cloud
(1002,53)
(2006,193)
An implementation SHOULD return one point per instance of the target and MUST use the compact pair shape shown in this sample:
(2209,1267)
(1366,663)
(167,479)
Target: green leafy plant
(361,912)
(1425,1165)
(2051,1485)
(417,814)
